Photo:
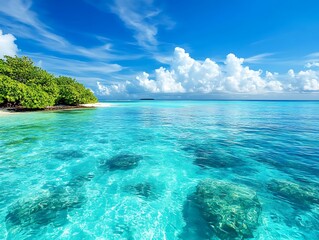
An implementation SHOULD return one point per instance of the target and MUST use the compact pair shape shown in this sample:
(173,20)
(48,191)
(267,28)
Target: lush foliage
(26,85)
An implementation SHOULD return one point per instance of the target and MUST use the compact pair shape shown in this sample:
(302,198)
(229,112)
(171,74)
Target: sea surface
(133,171)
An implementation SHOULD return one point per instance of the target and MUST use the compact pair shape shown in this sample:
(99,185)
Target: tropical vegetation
(22,84)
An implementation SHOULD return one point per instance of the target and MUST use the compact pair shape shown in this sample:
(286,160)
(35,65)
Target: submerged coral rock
(142,190)
(195,225)
(210,159)
(80,180)
(294,192)
(49,207)
(207,156)
(123,162)
(231,211)
(66,155)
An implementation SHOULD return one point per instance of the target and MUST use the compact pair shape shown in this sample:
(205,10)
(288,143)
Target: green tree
(19,69)
(11,91)
(73,93)
(36,98)
(23,84)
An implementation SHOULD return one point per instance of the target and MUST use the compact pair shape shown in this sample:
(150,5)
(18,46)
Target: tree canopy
(25,85)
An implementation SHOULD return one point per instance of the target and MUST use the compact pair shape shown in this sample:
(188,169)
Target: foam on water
(132,171)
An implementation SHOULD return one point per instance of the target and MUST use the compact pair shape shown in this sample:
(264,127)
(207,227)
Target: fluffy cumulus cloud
(187,75)
(7,45)
(312,64)
(114,89)
(165,82)
(304,80)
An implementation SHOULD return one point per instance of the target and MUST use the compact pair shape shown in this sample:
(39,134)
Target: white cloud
(193,76)
(313,55)
(20,20)
(258,58)
(273,84)
(146,83)
(115,88)
(304,80)
(190,76)
(139,21)
(312,64)
(76,68)
(143,18)
(165,82)
(7,45)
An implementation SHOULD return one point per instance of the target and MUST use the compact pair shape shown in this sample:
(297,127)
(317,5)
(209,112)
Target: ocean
(162,170)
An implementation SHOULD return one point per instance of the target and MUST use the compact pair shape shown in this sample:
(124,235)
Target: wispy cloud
(312,60)
(313,55)
(276,59)
(17,16)
(21,17)
(143,18)
(258,58)
(139,19)
(88,73)
(75,67)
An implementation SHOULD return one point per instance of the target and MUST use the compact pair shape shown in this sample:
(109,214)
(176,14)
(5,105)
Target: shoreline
(8,111)
(4,111)
(96,105)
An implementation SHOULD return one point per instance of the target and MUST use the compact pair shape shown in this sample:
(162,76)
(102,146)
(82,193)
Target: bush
(73,93)
(11,91)
(23,84)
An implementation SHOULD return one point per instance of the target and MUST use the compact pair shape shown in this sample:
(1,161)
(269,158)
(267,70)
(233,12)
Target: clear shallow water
(61,175)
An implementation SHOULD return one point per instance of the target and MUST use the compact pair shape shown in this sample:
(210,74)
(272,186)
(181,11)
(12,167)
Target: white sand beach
(5,112)
(97,105)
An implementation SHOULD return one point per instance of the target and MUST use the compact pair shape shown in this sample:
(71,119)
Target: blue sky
(124,49)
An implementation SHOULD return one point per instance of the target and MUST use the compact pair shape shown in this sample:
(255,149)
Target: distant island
(24,86)
(147,99)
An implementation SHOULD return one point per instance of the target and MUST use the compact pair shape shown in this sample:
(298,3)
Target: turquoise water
(130,171)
